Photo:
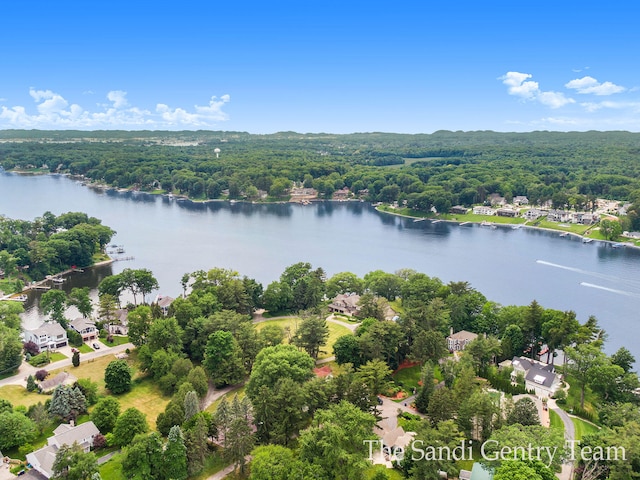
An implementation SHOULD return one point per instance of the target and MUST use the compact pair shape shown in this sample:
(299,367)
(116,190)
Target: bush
(31,348)
(39,360)
(41,375)
(31,384)
(75,339)
(99,441)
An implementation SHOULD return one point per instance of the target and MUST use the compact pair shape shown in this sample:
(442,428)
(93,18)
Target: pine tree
(422,400)
(174,457)
(31,384)
(196,443)
(191,405)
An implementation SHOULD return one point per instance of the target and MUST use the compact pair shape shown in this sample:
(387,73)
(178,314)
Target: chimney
(450,330)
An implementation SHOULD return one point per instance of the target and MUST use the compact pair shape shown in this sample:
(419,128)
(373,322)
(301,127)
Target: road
(569,434)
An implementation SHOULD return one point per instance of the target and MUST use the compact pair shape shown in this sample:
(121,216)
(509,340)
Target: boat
(485,223)
(57,280)
(587,240)
(618,245)
(564,234)
(436,221)
(464,223)
(418,220)
(120,250)
(516,227)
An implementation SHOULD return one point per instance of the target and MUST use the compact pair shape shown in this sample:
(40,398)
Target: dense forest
(429,170)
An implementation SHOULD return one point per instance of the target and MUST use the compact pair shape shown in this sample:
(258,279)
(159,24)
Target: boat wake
(612,290)
(601,276)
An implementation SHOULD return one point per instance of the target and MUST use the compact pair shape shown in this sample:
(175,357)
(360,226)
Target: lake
(172,237)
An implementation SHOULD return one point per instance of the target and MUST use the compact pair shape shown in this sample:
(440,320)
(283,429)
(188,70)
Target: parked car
(96,346)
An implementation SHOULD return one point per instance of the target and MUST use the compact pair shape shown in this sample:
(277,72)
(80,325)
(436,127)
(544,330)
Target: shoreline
(503,225)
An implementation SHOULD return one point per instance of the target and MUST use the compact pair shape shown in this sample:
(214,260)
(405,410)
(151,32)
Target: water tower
(217,152)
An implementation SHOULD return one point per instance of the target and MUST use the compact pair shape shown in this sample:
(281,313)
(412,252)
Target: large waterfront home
(539,377)
(456,342)
(482,210)
(49,336)
(86,328)
(345,303)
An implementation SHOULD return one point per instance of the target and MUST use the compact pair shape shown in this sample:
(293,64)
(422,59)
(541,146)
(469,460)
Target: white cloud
(54,111)
(590,85)
(520,86)
(595,106)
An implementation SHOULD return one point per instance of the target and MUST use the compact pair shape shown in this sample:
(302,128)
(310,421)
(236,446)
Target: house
(635,235)
(559,216)
(540,377)
(164,302)
(533,214)
(345,303)
(86,328)
(341,194)
(66,434)
(507,212)
(458,210)
(520,200)
(496,199)
(482,210)
(50,384)
(49,336)
(456,342)
(119,325)
(585,218)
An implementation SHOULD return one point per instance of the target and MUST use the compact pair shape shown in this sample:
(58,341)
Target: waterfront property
(459,210)
(120,324)
(507,212)
(49,336)
(534,214)
(86,328)
(345,303)
(539,377)
(482,210)
(66,434)
(164,302)
(456,342)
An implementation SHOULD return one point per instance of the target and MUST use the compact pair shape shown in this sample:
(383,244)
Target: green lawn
(556,421)
(57,356)
(408,378)
(290,325)
(84,348)
(583,428)
(146,397)
(112,470)
(213,464)
(572,227)
(117,340)
(240,392)
(391,473)
(18,395)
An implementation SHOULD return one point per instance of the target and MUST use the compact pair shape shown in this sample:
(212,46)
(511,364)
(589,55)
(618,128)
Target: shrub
(31,384)
(41,375)
(99,441)
(39,360)
(31,348)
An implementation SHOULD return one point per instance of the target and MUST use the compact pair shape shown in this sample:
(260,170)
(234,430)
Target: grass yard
(57,356)
(146,397)
(391,473)
(408,378)
(583,427)
(240,392)
(84,348)
(291,323)
(92,369)
(117,340)
(572,227)
(18,395)
(213,464)
(112,470)
(556,421)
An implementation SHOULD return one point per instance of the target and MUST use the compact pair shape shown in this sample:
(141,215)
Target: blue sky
(338,67)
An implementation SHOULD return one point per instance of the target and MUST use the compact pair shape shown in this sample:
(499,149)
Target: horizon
(355,68)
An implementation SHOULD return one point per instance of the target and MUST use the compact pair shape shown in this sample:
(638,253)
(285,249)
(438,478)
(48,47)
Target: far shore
(519,225)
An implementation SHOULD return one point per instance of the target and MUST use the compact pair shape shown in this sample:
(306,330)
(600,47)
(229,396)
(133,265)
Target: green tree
(72,463)
(312,333)
(429,345)
(174,457)
(129,424)
(105,414)
(271,335)
(173,415)
(31,384)
(442,406)
(275,461)
(344,282)
(280,361)
(524,412)
(347,350)
(142,458)
(624,359)
(117,377)
(75,359)
(79,297)
(16,430)
(53,303)
(198,378)
(512,470)
(223,359)
(10,349)
(427,389)
(610,229)
(139,320)
(67,402)
(191,405)
(375,374)
(163,333)
(584,359)
(196,443)
(89,389)
(335,441)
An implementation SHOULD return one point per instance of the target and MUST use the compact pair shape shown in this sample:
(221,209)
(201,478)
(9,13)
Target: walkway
(569,434)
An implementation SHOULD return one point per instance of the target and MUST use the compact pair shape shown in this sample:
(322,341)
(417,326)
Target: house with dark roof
(538,376)
(49,336)
(458,210)
(66,434)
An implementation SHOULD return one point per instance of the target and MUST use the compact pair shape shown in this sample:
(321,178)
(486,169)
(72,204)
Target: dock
(436,221)
(464,223)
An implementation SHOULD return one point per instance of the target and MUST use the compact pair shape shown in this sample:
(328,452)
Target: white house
(457,341)
(482,210)
(66,434)
(164,302)
(49,336)
(540,377)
